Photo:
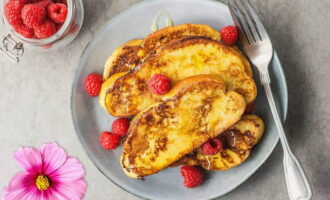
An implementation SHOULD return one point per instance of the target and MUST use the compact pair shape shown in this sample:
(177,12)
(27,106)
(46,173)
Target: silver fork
(258,47)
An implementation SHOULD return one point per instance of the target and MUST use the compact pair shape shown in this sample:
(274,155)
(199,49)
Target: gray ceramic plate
(90,119)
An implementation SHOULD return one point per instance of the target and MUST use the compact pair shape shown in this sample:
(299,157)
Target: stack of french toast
(212,84)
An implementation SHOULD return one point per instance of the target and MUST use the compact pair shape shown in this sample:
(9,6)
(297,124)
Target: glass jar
(13,44)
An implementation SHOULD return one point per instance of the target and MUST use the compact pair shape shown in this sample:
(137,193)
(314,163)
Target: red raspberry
(13,11)
(57,12)
(249,108)
(24,30)
(120,127)
(159,84)
(109,141)
(212,146)
(229,35)
(92,84)
(192,176)
(45,30)
(44,3)
(33,15)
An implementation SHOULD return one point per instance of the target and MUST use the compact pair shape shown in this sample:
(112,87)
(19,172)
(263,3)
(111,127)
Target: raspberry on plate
(57,12)
(120,127)
(192,176)
(109,141)
(45,30)
(92,84)
(229,35)
(33,15)
(24,30)
(212,146)
(12,12)
(159,84)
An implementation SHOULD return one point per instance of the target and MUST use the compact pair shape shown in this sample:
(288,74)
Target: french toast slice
(179,60)
(246,62)
(196,109)
(164,36)
(130,54)
(124,58)
(238,142)
(106,86)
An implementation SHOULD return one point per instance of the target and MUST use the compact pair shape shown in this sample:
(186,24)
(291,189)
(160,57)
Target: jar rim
(58,35)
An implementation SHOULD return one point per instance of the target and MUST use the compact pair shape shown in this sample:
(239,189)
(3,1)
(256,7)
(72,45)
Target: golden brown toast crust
(166,35)
(238,142)
(246,62)
(107,85)
(201,55)
(198,108)
(124,58)
(131,53)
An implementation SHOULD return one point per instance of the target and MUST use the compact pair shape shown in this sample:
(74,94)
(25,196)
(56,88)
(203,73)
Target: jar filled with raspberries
(40,24)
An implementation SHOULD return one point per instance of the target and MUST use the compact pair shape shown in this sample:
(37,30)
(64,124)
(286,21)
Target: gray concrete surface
(34,98)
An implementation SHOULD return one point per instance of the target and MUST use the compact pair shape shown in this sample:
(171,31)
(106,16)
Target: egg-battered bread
(196,109)
(106,86)
(130,54)
(178,60)
(238,142)
(164,36)
(124,58)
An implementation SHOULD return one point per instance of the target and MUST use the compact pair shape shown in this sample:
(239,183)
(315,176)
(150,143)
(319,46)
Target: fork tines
(247,20)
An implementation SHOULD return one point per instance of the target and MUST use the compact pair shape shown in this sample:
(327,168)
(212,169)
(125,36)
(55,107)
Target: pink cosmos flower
(49,175)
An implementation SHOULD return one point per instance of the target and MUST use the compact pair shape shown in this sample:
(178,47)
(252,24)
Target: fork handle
(297,184)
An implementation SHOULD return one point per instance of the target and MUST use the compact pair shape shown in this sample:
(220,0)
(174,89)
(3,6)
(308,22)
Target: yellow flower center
(42,182)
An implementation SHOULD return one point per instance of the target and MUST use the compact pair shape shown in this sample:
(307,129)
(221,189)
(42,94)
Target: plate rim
(75,122)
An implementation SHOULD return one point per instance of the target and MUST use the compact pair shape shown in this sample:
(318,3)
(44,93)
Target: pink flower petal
(21,180)
(34,194)
(13,194)
(48,195)
(30,159)
(70,171)
(53,157)
(21,186)
(28,193)
(65,173)
(70,191)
